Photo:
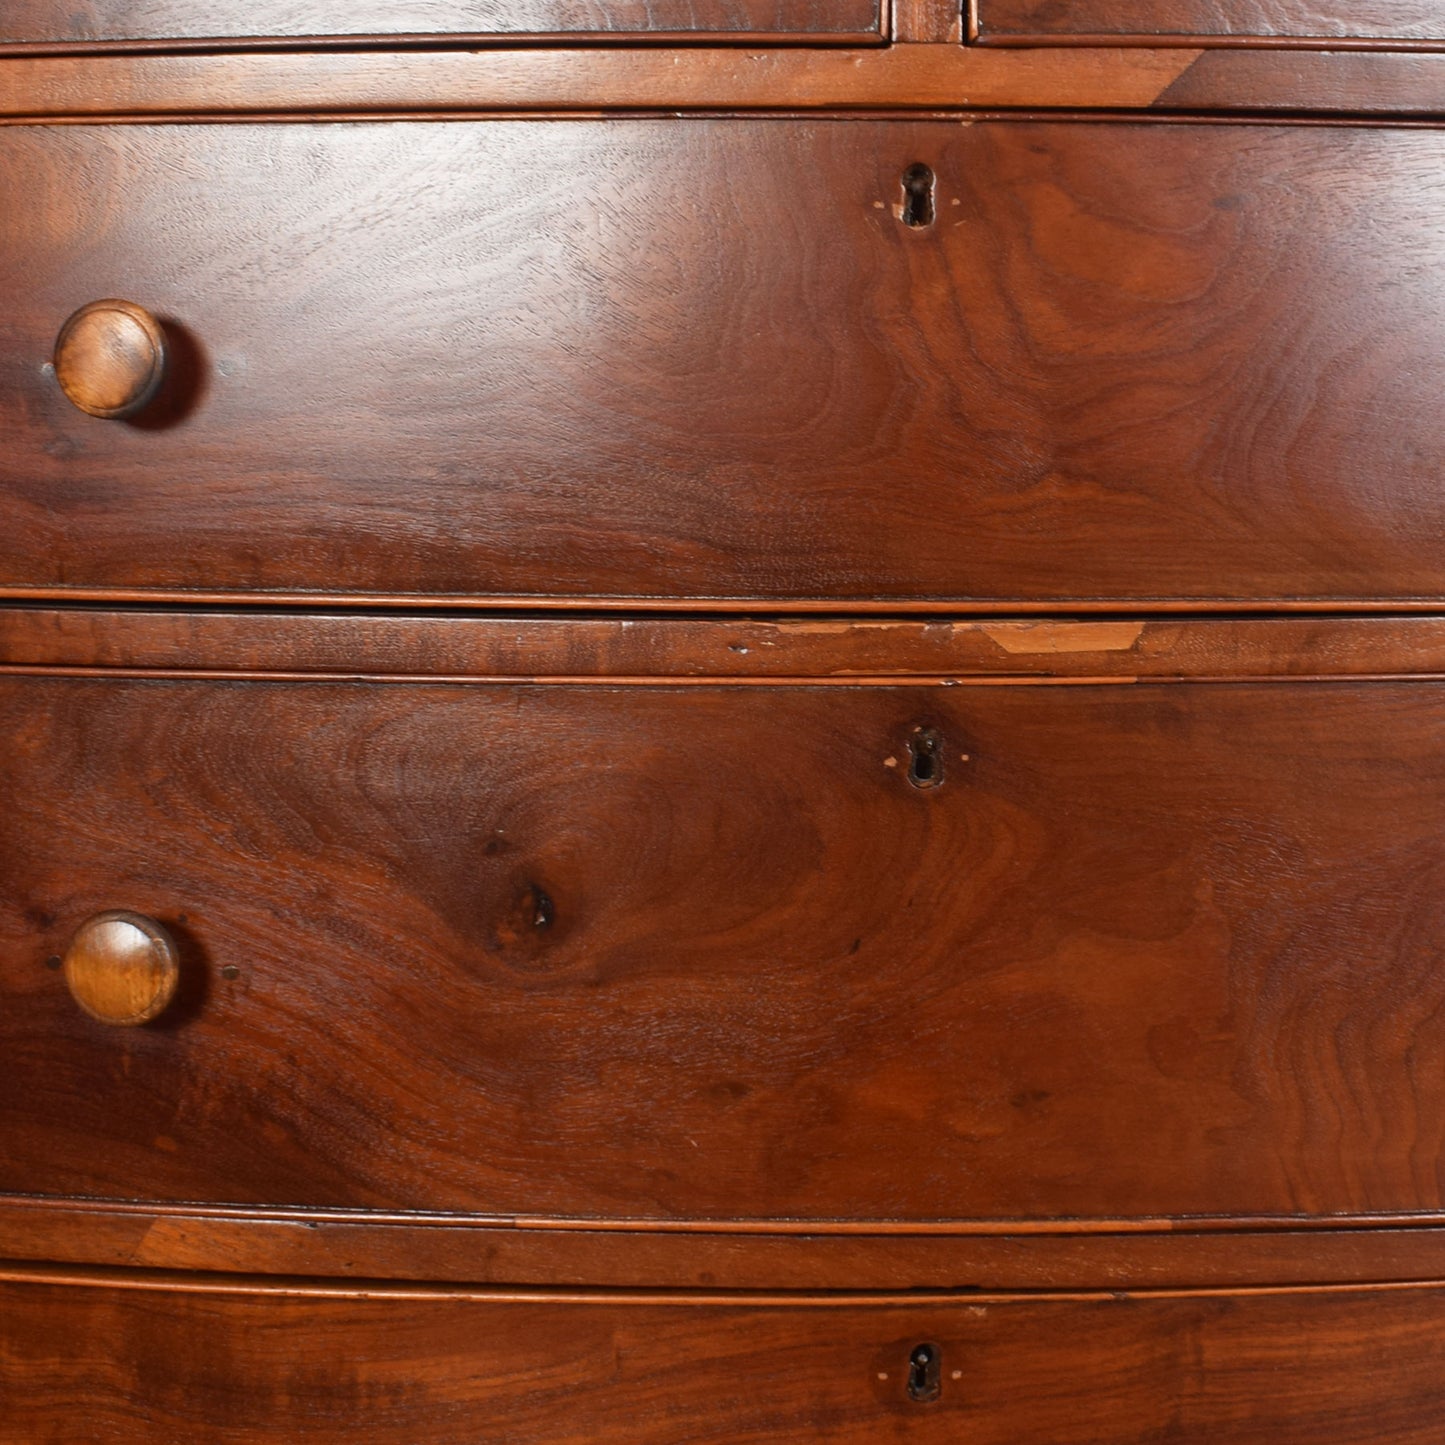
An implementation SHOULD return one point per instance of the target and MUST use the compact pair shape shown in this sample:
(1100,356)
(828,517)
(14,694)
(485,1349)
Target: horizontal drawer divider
(978,1255)
(859,652)
(911,77)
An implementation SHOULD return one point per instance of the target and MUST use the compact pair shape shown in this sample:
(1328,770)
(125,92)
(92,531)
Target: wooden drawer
(136,1359)
(707,359)
(662,952)
(1194,22)
(90,21)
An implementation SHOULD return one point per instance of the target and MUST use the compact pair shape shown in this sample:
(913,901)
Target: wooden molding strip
(171,1282)
(659,606)
(581,1255)
(901,77)
(556,648)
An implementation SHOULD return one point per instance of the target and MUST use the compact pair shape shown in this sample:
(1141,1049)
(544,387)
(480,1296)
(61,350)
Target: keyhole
(925,1373)
(925,750)
(918,187)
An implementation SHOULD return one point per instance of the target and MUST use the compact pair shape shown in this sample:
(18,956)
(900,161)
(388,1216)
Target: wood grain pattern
(706,953)
(831,1255)
(928,21)
(90,21)
(950,78)
(1187,21)
(110,359)
(108,1359)
(667,1052)
(673,650)
(938,437)
(121,968)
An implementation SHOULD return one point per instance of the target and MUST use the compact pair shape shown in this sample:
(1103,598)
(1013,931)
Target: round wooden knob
(122,968)
(110,358)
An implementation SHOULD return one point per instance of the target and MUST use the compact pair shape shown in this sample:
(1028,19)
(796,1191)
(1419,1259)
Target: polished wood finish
(903,77)
(1321,22)
(670,651)
(136,1359)
(91,21)
(938,438)
(110,359)
(780,677)
(121,968)
(828,1255)
(927,21)
(749,969)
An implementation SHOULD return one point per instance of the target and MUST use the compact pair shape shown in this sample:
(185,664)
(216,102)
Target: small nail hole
(919,184)
(52,962)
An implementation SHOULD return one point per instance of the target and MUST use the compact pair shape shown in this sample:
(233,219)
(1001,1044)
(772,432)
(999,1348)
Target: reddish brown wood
(1001,1254)
(107,1358)
(937,77)
(774,954)
(710,953)
(677,649)
(121,968)
(110,359)
(1262,79)
(928,21)
(938,437)
(89,21)
(1320,22)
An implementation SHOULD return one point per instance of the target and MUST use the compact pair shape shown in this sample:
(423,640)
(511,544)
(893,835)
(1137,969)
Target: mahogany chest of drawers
(723,720)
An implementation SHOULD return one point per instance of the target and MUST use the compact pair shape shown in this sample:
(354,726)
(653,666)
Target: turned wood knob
(122,968)
(110,358)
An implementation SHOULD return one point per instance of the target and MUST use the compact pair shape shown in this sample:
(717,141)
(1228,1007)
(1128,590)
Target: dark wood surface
(88,21)
(660,953)
(1321,21)
(821,972)
(110,359)
(1002,405)
(171,1360)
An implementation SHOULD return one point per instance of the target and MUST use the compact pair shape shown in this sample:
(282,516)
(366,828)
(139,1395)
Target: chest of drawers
(722,721)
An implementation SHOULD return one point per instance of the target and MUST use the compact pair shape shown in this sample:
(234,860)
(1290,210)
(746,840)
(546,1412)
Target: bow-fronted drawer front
(671,952)
(236,1362)
(744,360)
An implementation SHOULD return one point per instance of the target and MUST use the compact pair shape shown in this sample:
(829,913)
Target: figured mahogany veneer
(235,1365)
(1085,373)
(772,952)
(744,700)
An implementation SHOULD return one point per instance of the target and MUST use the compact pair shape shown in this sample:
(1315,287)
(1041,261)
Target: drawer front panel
(1278,21)
(82,21)
(138,1364)
(710,359)
(714,952)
